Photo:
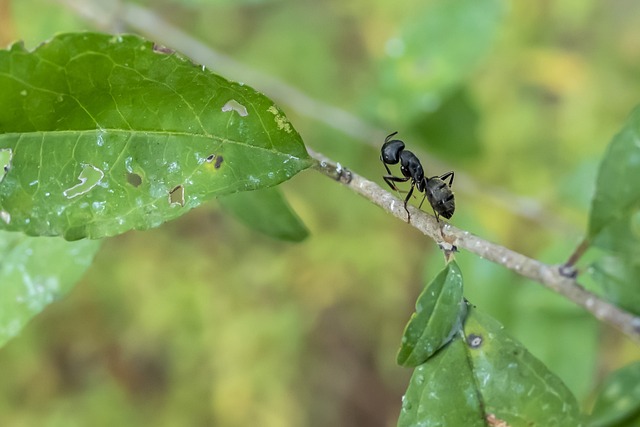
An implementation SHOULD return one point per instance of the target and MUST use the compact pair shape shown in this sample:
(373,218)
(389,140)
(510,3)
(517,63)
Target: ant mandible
(435,188)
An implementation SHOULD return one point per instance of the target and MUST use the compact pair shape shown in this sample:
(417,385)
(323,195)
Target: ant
(435,188)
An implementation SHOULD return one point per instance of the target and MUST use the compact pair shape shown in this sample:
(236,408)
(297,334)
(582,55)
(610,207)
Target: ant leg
(407,200)
(436,215)
(425,192)
(390,179)
(385,165)
(424,197)
(447,175)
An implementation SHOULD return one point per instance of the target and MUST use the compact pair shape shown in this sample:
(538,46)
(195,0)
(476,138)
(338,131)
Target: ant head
(391,150)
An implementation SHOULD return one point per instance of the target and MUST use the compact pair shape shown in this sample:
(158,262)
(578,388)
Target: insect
(435,189)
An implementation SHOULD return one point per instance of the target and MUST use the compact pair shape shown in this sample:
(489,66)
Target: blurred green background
(202,322)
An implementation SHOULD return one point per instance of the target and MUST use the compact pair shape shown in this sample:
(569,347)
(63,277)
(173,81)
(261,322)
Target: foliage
(618,402)
(201,307)
(36,272)
(478,372)
(440,310)
(266,211)
(614,222)
(141,135)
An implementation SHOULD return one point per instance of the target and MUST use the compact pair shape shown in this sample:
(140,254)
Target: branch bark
(110,16)
(447,235)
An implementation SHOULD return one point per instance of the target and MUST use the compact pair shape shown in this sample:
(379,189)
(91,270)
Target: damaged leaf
(108,134)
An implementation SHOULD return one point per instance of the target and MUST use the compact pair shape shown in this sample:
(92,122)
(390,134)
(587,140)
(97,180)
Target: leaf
(266,211)
(485,370)
(440,309)
(34,272)
(112,133)
(515,386)
(618,277)
(618,403)
(614,222)
(438,47)
(446,137)
(442,392)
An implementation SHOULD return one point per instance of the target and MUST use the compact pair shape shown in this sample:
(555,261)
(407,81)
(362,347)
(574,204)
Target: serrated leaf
(34,272)
(112,133)
(614,221)
(442,392)
(618,403)
(266,211)
(515,386)
(440,309)
(484,369)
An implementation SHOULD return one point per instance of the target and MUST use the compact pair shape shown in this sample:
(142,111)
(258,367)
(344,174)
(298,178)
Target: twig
(447,235)
(146,22)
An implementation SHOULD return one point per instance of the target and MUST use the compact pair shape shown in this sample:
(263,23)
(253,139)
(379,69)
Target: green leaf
(618,277)
(266,211)
(618,403)
(614,222)
(438,47)
(112,133)
(484,374)
(443,392)
(34,272)
(442,130)
(515,386)
(439,312)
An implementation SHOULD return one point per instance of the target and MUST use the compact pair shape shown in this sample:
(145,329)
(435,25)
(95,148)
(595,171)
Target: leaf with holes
(102,134)
(266,211)
(515,386)
(440,310)
(487,371)
(34,272)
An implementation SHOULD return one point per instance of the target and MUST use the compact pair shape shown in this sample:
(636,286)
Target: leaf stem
(446,235)
(577,254)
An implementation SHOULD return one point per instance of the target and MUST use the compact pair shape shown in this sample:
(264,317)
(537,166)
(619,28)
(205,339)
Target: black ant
(435,188)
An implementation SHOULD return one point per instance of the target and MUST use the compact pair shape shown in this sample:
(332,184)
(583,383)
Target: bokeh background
(203,322)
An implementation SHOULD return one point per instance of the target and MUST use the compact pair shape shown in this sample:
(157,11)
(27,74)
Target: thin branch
(447,235)
(144,21)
